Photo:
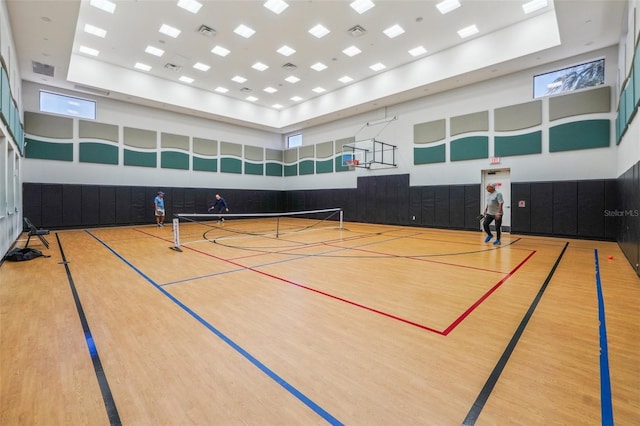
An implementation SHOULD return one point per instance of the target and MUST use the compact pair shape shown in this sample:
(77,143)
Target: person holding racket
(493,211)
(220,205)
(158,202)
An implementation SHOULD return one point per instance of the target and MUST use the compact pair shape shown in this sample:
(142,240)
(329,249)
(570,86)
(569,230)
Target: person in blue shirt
(158,202)
(493,211)
(219,205)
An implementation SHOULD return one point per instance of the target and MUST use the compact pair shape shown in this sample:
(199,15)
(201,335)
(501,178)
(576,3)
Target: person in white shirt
(493,211)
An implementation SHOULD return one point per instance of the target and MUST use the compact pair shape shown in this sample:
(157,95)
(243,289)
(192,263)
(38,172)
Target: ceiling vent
(43,69)
(173,67)
(357,31)
(289,66)
(206,31)
(246,90)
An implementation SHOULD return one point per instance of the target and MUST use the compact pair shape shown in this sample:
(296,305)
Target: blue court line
(606,405)
(303,398)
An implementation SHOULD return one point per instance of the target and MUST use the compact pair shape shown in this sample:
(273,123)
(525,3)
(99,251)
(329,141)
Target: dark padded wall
(567,208)
(58,206)
(628,215)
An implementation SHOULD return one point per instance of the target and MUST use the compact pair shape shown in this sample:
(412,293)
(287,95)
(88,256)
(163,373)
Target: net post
(176,235)
(341,217)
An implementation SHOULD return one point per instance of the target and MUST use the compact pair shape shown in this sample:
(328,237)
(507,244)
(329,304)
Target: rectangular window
(568,79)
(294,140)
(67,105)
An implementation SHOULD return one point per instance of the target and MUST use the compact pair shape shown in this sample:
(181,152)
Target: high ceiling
(50,34)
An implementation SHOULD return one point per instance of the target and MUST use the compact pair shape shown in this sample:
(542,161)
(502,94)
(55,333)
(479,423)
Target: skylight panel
(186,79)
(259,66)
(169,30)
(351,51)
(277,106)
(377,67)
(319,66)
(319,31)
(394,31)
(191,5)
(447,6)
(221,89)
(89,51)
(105,5)
(296,99)
(95,31)
(286,50)
(251,98)
(270,89)
(141,66)
(468,31)
(239,79)
(319,90)
(534,5)
(202,67)
(276,6)
(292,79)
(361,6)
(345,79)
(154,51)
(244,31)
(220,51)
(417,51)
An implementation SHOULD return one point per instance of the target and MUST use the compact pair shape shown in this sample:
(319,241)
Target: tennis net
(193,227)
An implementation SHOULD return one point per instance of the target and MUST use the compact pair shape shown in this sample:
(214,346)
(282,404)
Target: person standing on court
(493,211)
(158,202)
(219,205)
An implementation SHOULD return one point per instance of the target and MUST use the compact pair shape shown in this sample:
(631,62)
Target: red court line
(453,325)
(414,257)
(487,294)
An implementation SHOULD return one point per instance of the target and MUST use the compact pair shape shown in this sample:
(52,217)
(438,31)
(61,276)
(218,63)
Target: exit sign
(494,160)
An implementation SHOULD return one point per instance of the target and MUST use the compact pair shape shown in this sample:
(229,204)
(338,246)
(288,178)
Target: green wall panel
(470,148)
(274,169)
(205,164)
(307,167)
(140,159)
(338,164)
(428,155)
(579,135)
(96,152)
(174,160)
(291,170)
(231,165)
(49,150)
(253,169)
(324,166)
(529,143)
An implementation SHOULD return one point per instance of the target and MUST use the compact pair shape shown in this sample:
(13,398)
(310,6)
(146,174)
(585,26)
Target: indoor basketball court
(308,320)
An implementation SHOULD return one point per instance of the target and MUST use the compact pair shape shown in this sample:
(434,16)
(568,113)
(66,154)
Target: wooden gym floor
(366,325)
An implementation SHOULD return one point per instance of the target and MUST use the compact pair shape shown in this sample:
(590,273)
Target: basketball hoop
(351,164)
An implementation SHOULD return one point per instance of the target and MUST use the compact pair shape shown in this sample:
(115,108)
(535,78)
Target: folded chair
(35,232)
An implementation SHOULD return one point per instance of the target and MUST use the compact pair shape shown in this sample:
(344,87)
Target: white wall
(504,91)
(131,115)
(10,166)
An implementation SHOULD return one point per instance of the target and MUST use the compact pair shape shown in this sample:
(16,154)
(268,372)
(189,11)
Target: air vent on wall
(173,67)
(357,31)
(206,31)
(289,66)
(43,69)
